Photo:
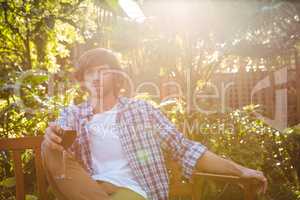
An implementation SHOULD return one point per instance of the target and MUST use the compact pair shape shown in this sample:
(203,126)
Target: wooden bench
(177,186)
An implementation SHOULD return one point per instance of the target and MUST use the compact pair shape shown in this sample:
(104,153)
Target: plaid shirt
(144,133)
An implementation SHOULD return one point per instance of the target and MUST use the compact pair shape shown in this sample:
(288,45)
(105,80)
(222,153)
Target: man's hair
(97,57)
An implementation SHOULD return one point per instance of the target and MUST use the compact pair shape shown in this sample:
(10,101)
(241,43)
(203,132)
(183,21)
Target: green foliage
(240,136)
(36,39)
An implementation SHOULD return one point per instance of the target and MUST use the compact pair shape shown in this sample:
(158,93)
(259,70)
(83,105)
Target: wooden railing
(195,187)
(177,187)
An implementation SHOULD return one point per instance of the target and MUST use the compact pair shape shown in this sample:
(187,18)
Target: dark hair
(97,57)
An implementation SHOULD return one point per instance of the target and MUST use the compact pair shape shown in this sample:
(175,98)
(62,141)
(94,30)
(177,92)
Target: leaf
(114,4)
(8,182)
(37,79)
(30,197)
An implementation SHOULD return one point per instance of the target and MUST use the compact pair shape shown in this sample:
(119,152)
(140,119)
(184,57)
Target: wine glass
(68,137)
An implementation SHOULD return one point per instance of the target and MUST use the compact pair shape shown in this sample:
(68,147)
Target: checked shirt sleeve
(186,151)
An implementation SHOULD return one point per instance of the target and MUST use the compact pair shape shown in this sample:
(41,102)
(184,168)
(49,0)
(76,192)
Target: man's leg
(80,186)
(126,194)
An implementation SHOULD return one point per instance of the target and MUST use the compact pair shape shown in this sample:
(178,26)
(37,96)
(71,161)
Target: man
(118,150)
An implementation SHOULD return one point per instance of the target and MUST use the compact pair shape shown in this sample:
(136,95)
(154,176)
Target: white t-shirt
(108,159)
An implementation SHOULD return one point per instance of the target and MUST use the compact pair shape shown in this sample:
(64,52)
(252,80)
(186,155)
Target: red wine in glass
(68,138)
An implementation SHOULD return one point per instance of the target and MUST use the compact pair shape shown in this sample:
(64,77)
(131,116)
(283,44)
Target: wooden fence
(275,92)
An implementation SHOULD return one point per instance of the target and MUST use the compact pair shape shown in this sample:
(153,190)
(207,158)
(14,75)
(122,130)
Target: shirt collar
(86,109)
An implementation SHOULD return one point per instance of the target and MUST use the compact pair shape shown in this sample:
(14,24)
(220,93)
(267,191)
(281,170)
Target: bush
(240,136)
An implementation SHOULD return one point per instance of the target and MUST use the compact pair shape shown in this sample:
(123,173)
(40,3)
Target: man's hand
(250,174)
(212,163)
(51,137)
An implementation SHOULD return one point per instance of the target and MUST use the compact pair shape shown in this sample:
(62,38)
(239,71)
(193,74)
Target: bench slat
(20,193)
(41,180)
(21,143)
(227,178)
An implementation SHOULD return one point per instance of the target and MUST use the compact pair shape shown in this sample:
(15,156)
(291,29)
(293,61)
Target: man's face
(99,80)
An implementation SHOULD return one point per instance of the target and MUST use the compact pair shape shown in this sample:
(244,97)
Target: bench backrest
(17,146)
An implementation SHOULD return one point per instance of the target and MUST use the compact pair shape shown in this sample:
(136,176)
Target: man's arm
(212,163)
(194,156)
